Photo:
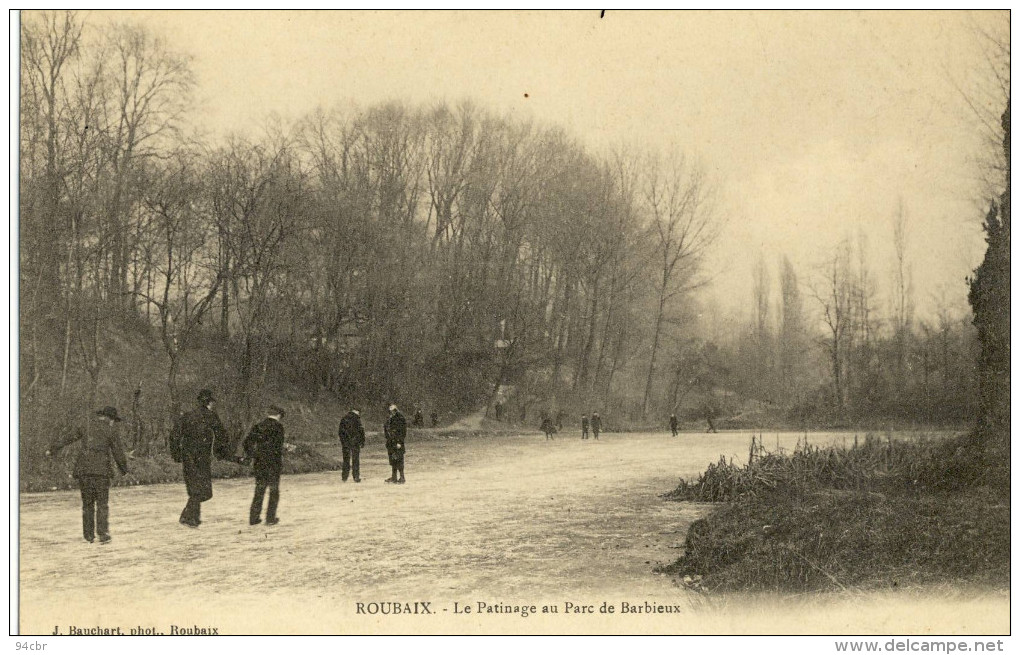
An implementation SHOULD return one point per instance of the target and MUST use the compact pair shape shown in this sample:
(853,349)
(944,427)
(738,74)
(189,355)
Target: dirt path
(503,520)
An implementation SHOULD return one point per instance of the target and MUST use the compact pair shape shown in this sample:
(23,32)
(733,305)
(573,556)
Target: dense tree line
(378,250)
(435,254)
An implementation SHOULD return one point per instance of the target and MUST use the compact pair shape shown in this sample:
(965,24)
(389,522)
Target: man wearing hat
(396,433)
(352,438)
(93,470)
(264,448)
(195,437)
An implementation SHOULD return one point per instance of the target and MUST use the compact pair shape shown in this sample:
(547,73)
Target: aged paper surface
(506,531)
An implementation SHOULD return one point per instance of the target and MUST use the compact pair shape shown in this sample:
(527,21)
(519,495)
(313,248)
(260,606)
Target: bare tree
(262,189)
(835,296)
(187,279)
(152,91)
(683,225)
(903,305)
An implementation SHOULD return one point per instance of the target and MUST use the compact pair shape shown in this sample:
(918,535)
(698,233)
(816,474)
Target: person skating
(196,436)
(434,416)
(352,439)
(263,447)
(584,426)
(596,425)
(673,424)
(396,433)
(93,470)
(548,427)
(419,418)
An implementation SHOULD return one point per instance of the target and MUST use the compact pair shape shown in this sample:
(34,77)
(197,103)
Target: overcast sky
(811,124)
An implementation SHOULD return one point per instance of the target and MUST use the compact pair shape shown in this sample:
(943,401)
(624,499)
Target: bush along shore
(54,473)
(39,473)
(881,513)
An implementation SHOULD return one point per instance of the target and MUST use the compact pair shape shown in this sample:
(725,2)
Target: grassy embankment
(133,378)
(881,513)
(53,473)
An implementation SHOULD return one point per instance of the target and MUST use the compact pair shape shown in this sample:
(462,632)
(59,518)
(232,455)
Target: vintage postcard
(516,322)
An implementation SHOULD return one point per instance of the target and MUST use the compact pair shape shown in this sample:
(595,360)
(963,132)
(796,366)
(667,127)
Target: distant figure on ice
(596,425)
(263,447)
(352,439)
(193,440)
(548,427)
(709,415)
(559,420)
(584,426)
(396,433)
(673,424)
(93,470)
(434,417)
(419,418)
(499,411)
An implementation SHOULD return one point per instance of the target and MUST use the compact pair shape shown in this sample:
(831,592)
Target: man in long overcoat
(584,426)
(263,447)
(673,424)
(596,425)
(352,439)
(93,470)
(195,437)
(396,433)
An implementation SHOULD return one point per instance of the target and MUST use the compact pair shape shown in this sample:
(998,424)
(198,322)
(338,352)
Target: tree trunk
(655,349)
(581,377)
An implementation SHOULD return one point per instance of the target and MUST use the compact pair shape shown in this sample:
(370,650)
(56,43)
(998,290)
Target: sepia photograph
(522,322)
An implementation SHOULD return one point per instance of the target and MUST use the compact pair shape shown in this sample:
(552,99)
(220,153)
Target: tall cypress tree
(989,298)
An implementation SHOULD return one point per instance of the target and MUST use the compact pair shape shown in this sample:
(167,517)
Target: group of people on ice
(549,427)
(198,436)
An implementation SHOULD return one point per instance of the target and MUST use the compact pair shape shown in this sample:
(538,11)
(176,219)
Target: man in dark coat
(548,427)
(352,438)
(419,418)
(263,447)
(596,425)
(673,424)
(93,470)
(195,437)
(396,433)
(584,426)
(435,418)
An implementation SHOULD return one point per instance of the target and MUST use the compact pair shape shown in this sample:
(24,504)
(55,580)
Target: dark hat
(276,410)
(109,412)
(205,395)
